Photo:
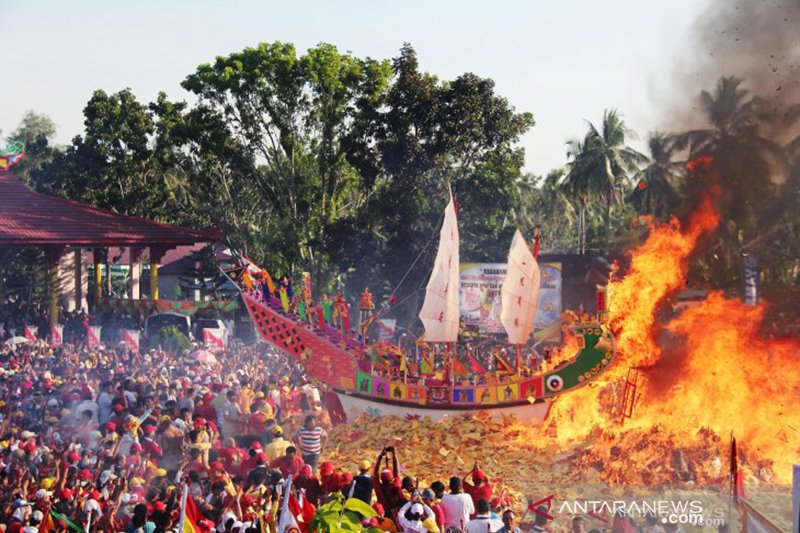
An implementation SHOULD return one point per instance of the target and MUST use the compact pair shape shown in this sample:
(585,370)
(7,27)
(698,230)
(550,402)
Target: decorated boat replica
(439,376)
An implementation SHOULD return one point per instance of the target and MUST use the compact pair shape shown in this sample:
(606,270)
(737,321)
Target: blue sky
(563,61)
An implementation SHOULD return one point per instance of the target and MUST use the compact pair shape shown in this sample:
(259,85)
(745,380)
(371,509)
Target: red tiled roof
(31,218)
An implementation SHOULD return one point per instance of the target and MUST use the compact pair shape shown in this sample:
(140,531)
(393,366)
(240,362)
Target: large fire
(709,367)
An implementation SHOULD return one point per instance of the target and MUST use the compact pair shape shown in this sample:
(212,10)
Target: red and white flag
(386,328)
(30,333)
(57,335)
(93,336)
(214,338)
(131,339)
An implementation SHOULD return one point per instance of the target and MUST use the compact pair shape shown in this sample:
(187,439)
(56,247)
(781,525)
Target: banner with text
(480,295)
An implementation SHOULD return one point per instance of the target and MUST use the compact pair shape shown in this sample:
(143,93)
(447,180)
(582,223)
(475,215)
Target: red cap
(85,474)
(159,506)
(73,456)
(326,468)
(199,421)
(118,407)
(65,494)
(261,457)
(216,465)
(136,447)
(478,474)
(111,426)
(255,445)
(149,428)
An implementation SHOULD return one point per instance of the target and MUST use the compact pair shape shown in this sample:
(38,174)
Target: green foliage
(335,516)
(32,126)
(172,340)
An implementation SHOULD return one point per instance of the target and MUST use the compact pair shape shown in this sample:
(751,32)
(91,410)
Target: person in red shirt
(388,490)
(231,455)
(289,464)
(480,488)
(257,422)
(330,481)
(309,482)
(205,409)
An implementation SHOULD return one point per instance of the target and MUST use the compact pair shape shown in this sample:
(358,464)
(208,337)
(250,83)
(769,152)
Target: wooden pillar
(156,255)
(52,256)
(134,289)
(99,254)
(78,273)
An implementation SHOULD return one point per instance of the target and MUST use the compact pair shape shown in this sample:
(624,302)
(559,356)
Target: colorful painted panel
(486,395)
(380,387)
(398,392)
(415,394)
(532,388)
(364,383)
(464,395)
(508,393)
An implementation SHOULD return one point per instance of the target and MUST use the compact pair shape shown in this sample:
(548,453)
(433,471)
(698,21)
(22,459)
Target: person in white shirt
(412,515)
(457,506)
(483,522)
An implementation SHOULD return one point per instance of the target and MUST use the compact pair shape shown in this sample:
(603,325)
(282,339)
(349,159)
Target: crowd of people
(107,439)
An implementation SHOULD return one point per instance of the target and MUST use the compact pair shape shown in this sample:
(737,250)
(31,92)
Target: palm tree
(658,193)
(603,167)
(747,165)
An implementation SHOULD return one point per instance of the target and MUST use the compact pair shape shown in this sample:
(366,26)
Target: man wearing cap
(205,409)
(361,487)
(276,447)
(429,499)
(308,482)
(387,484)
(412,515)
(480,486)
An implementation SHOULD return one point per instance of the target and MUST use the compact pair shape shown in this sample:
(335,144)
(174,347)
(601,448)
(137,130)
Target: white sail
(520,292)
(440,313)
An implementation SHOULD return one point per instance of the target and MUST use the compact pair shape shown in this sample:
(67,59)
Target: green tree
(747,166)
(659,191)
(603,167)
(424,135)
(289,113)
(36,130)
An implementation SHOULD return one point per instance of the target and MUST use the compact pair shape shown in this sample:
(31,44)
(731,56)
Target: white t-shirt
(484,524)
(457,508)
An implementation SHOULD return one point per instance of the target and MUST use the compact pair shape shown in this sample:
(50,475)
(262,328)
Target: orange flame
(708,368)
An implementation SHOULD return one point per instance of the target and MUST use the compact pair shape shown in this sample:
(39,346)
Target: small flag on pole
(57,335)
(31,332)
(131,339)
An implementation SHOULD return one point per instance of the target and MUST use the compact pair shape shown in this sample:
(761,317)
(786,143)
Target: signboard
(93,336)
(480,296)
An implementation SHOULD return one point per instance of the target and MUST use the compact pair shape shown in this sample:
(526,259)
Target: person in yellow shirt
(277,447)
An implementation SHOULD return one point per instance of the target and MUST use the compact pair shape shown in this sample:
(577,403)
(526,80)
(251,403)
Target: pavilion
(60,226)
